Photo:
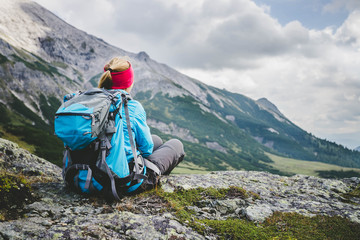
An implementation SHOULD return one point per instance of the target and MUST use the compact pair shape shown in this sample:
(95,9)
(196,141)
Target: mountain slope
(46,58)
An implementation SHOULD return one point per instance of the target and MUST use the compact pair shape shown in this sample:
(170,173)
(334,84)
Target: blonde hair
(116,64)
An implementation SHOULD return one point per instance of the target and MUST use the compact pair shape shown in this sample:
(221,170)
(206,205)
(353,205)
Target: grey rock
(21,161)
(60,214)
(302,194)
(258,213)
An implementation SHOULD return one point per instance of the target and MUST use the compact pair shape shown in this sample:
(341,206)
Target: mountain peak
(142,56)
(269,106)
(15,18)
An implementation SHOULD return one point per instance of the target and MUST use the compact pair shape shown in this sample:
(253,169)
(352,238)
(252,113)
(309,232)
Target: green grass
(294,166)
(189,168)
(95,80)
(17,139)
(49,107)
(60,64)
(21,109)
(339,174)
(353,194)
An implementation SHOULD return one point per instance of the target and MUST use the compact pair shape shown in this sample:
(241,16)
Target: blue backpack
(90,126)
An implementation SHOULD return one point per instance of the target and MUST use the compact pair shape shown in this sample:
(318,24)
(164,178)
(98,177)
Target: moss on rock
(14,193)
(352,197)
(355,192)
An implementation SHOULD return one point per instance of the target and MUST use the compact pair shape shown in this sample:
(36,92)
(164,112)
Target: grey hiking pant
(166,156)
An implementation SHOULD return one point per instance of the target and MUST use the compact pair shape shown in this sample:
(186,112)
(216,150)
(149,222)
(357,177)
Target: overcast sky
(303,55)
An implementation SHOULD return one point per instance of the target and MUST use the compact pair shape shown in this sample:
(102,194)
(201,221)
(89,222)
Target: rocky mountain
(220,205)
(42,58)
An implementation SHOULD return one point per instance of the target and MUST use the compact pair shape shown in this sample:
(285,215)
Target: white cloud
(349,32)
(315,81)
(312,76)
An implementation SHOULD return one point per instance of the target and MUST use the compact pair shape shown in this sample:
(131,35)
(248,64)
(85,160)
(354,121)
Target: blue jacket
(141,135)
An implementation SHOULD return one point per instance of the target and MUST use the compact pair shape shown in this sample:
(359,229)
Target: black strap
(108,171)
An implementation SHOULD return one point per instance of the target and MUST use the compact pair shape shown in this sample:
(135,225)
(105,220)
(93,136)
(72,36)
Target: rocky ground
(55,213)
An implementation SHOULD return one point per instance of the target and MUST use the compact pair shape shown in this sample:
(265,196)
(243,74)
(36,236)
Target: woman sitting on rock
(166,156)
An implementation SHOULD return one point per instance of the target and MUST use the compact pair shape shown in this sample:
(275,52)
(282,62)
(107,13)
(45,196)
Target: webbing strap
(139,177)
(131,138)
(108,171)
(88,178)
(152,166)
(64,162)
(98,164)
(107,143)
(66,156)
(76,182)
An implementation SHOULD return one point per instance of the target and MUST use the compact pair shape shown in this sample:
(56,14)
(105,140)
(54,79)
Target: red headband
(122,80)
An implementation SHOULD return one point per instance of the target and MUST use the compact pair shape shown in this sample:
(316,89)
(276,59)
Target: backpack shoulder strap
(137,161)
(150,165)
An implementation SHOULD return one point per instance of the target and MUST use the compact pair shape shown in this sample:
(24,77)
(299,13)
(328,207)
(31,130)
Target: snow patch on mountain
(216,146)
(272,130)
